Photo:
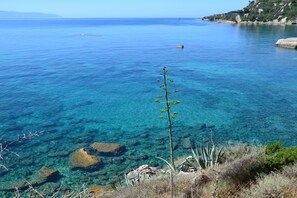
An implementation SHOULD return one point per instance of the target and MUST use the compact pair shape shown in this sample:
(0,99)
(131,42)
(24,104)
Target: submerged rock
(81,159)
(187,143)
(45,175)
(97,190)
(290,43)
(42,176)
(107,148)
(201,126)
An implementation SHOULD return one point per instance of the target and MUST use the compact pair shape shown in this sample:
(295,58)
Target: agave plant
(202,157)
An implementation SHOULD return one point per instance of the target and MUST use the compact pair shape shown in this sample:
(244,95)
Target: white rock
(238,19)
(290,43)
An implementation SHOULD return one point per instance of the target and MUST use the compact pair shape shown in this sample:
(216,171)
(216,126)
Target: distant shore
(281,22)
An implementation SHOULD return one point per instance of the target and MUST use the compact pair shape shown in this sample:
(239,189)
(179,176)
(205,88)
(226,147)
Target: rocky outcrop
(82,159)
(290,43)
(140,174)
(107,148)
(261,12)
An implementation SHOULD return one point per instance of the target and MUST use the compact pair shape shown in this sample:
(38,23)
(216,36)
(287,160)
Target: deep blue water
(87,80)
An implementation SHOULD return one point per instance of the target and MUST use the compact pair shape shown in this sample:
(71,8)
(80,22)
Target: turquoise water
(87,80)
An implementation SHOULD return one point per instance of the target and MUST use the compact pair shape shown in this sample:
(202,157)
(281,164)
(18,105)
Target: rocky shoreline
(274,22)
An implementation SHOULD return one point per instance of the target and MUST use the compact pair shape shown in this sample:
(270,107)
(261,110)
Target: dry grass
(155,188)
(290,171)
(242,171)
(272,186)
(238,151)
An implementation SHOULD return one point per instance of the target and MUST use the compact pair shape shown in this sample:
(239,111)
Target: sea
(67,83)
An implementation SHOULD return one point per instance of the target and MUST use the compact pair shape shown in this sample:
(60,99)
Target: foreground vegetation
(245,171)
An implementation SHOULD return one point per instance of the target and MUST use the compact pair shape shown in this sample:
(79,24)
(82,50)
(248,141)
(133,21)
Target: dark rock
(132,143)
(45,175)
(107,148)
(201,126)
(144,135)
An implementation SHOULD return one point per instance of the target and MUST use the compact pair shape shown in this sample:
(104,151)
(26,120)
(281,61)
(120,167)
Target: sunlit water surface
(94,80)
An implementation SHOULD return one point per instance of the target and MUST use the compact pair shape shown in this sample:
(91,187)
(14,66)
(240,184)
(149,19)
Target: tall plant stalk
(167,109)
(168,115)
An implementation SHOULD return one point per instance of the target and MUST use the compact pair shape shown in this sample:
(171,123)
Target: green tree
(167,108)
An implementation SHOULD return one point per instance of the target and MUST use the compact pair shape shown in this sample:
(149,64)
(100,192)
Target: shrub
(278,156)
(244,170)
(273,185)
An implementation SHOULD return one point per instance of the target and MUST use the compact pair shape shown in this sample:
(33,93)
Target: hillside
(261,11)
(25,15)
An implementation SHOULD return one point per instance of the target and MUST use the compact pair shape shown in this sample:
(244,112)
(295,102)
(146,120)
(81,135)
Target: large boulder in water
(107,148)
(290,43)
(82,159)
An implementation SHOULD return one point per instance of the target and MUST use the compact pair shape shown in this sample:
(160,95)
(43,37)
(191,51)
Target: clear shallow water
(87,80)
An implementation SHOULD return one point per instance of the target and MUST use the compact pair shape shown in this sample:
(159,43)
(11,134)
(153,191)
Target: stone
(42,176)
(180,46)
(290,43)
(107,148)
(201,126)
(82,159)
(141,173)
(283,20)
(187,143)
(45,175)
(238,19)
(97,190)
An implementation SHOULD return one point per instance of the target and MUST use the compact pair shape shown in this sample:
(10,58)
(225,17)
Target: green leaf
(175,113)
(171,102)
(157,100)
(176,90)
(162,110)
(161,117)
(159,96)
(177,102)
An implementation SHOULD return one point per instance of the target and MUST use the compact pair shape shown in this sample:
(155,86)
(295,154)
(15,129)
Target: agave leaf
(196,157)
(213,155)
(168,163)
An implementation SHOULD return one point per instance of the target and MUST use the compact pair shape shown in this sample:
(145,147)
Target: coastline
(281,22)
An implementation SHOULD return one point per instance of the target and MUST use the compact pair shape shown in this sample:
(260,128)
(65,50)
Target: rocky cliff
(261,11)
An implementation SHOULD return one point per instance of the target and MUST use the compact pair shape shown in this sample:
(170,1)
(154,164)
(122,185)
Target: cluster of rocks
(282,21)
(140,174)
(82,159)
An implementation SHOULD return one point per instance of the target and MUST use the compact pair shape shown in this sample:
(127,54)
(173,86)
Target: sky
(124,8)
